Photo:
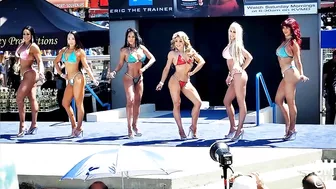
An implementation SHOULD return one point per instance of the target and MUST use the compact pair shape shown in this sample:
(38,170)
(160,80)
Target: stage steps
(147,110)
(198,168)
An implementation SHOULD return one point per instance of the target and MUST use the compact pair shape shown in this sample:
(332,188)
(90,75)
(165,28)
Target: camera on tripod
(220,152)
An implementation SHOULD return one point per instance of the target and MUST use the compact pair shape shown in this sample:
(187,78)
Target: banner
(10,43)
(66,4)
(279,7)
(135,9)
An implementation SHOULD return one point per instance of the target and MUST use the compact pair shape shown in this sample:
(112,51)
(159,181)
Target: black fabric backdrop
(209,36)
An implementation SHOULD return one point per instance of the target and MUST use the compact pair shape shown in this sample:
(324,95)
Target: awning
(65,4)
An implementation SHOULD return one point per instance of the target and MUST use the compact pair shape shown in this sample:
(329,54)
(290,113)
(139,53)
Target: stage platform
(159,129)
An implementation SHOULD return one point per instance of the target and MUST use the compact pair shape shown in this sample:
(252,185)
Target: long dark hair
(138,39)
(32,33)
(294,28)
(78,45)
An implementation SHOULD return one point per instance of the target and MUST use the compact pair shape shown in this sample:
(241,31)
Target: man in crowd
(329,88)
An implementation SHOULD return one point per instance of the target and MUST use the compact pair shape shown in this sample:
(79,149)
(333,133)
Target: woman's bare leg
(129,90)
(175,90)
(138,92)
(78,93)
(191,93)
(34,106)
(290,90)
(66,103)
(280,101)
(240,82)
(24,89)
(230,95)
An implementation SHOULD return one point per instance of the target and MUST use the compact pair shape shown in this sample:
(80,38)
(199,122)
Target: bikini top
(132,59)
(281,51)
(24,55)
(72,58)
(226,53)
(182,61)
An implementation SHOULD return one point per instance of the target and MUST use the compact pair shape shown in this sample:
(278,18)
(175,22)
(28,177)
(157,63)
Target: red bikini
(181,61)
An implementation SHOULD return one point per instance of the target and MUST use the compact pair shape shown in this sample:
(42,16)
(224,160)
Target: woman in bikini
(182,56)
(135,54)
(292,72)
(27,52)
(238,59)
(74,58)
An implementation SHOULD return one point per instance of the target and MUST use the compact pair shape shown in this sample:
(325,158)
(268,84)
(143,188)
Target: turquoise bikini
(71,59)
(132,60)
(282,53)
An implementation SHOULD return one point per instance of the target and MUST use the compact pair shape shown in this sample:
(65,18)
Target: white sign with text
(280,9)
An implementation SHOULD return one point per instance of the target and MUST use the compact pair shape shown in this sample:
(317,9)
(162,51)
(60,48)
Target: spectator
(312,181)
(250,181)
(2,74)
(26,185)
(14,78)
(329,86)
(49,83)
(98,185)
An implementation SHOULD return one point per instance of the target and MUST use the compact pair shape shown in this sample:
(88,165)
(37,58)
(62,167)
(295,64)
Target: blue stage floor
(162,131)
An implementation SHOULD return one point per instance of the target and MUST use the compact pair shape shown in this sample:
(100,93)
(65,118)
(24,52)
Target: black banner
(135,9)
(10,43)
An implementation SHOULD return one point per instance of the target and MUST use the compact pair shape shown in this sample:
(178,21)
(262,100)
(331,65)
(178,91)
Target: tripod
(225,168)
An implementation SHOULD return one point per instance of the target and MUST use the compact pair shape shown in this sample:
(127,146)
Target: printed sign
(10,43)
(278,7)
(135,9)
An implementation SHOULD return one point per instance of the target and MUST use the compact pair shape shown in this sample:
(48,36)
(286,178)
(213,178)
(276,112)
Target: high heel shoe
(32,131)
(137,133)
(72,135)
(191,131)
(22,133)
(182,135)
(291,135)
(78,133)
(230,135)
(238,137)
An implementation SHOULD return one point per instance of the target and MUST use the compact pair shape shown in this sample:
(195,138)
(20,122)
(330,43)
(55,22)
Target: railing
(107,105)
(259,77)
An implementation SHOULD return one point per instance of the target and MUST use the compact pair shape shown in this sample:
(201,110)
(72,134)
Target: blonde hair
(237,45)
(187,46)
